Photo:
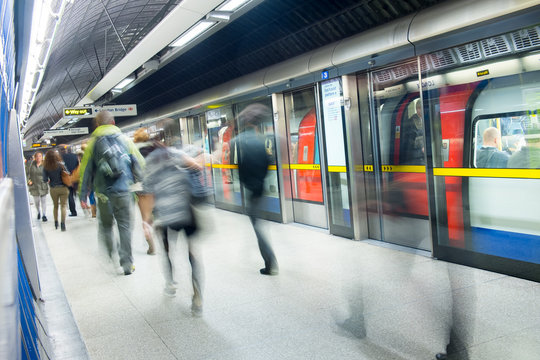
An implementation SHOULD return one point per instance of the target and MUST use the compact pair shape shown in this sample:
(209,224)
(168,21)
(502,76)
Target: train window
(498,137)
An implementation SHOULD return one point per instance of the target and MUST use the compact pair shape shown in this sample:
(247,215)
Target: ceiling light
(192,33)
(223,16)
(122,84)
(232,5)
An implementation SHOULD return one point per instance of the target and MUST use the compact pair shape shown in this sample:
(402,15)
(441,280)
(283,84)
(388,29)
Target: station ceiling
(94,36)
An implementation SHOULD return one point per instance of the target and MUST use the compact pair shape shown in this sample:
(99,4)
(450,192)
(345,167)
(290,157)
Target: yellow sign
(339,169)
(36,145)
(305,166)
(78,111)
(368,167)
(482,73)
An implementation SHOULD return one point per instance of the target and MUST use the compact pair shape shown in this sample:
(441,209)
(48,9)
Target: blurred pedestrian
(52,173)
(111,164)
(167,179)
(38,188)
(145,147)
(253,162)
(71,162)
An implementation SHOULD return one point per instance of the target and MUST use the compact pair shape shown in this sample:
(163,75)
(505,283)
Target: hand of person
(30,182)
(84,205)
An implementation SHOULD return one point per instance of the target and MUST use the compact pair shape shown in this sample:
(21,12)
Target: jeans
(59,194)
(270,261)
(118,207)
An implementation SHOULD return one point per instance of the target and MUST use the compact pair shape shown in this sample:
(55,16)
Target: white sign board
(333,122)
(118,110)
(66,132)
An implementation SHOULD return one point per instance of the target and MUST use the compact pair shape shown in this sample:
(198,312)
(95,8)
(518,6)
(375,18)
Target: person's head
(38,156)
(419,107)
(253,116)
(491,137)
(140,135)
(52,160)
(104,118)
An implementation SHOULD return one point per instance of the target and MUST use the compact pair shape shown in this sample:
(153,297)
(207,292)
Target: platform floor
(329,291)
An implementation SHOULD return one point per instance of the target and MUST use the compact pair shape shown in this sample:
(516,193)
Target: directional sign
(65,132)
(118,110)
(78,112)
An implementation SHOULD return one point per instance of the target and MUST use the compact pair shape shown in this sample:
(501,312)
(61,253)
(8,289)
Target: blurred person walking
(253,164)
(38,188)
(71,162)
(167,178)
(145,147)
(52,173)
(111,164)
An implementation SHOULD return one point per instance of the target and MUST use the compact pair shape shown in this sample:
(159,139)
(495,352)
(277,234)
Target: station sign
(81,112)
(92,111)
(118,110)
(67,132)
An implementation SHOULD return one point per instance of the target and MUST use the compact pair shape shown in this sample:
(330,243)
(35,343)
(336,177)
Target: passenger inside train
(489,155)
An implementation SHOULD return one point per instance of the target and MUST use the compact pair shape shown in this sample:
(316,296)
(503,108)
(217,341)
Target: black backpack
(113,157)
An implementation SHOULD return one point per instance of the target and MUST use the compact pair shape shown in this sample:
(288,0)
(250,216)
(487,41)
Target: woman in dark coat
(52,173)
(38,188)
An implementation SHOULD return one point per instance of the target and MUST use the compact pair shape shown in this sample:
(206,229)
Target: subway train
(376,136)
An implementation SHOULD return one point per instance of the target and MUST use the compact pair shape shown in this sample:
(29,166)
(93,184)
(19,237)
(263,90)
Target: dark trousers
(270,261)
(71,201)
(118,207)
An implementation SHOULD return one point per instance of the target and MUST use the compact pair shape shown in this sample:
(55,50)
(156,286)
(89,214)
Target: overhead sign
(118,110)
(78,112)
(92,111)
(36,145)
(67,132)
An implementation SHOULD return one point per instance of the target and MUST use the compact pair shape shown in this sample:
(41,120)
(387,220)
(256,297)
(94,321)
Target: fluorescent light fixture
(232,5)
(192,33)
(223,16)
(122,84)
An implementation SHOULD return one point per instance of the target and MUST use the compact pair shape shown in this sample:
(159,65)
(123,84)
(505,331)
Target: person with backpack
(253,164)
(110,165)
(168,180)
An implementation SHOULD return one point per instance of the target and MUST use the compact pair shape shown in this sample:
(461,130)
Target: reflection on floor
(333,299)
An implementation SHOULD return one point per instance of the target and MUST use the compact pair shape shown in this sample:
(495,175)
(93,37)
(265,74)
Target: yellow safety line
(305,166)
(493,173)
(340,169)
(224,166)
(404,168)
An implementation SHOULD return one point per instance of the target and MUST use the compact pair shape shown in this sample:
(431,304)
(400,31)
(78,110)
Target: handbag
(75,175)
(66,178)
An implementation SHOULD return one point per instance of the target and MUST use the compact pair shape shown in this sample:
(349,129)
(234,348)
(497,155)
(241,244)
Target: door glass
(400,130)
(221,130)
(197,137)
(338,185)
(304,147)
(486,151)
(270,200)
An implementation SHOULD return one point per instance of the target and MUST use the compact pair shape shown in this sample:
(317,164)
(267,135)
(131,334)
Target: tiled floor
(403,300)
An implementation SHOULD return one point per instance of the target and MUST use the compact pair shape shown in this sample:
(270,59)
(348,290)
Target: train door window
(399,142)
(269,206)
(497,137)
(222,128)
(334,135)
(485,114)
(304,158)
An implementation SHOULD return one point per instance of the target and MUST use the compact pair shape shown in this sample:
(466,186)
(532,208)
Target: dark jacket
(71,161)
(54,177)
(253,160)
(490,157)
